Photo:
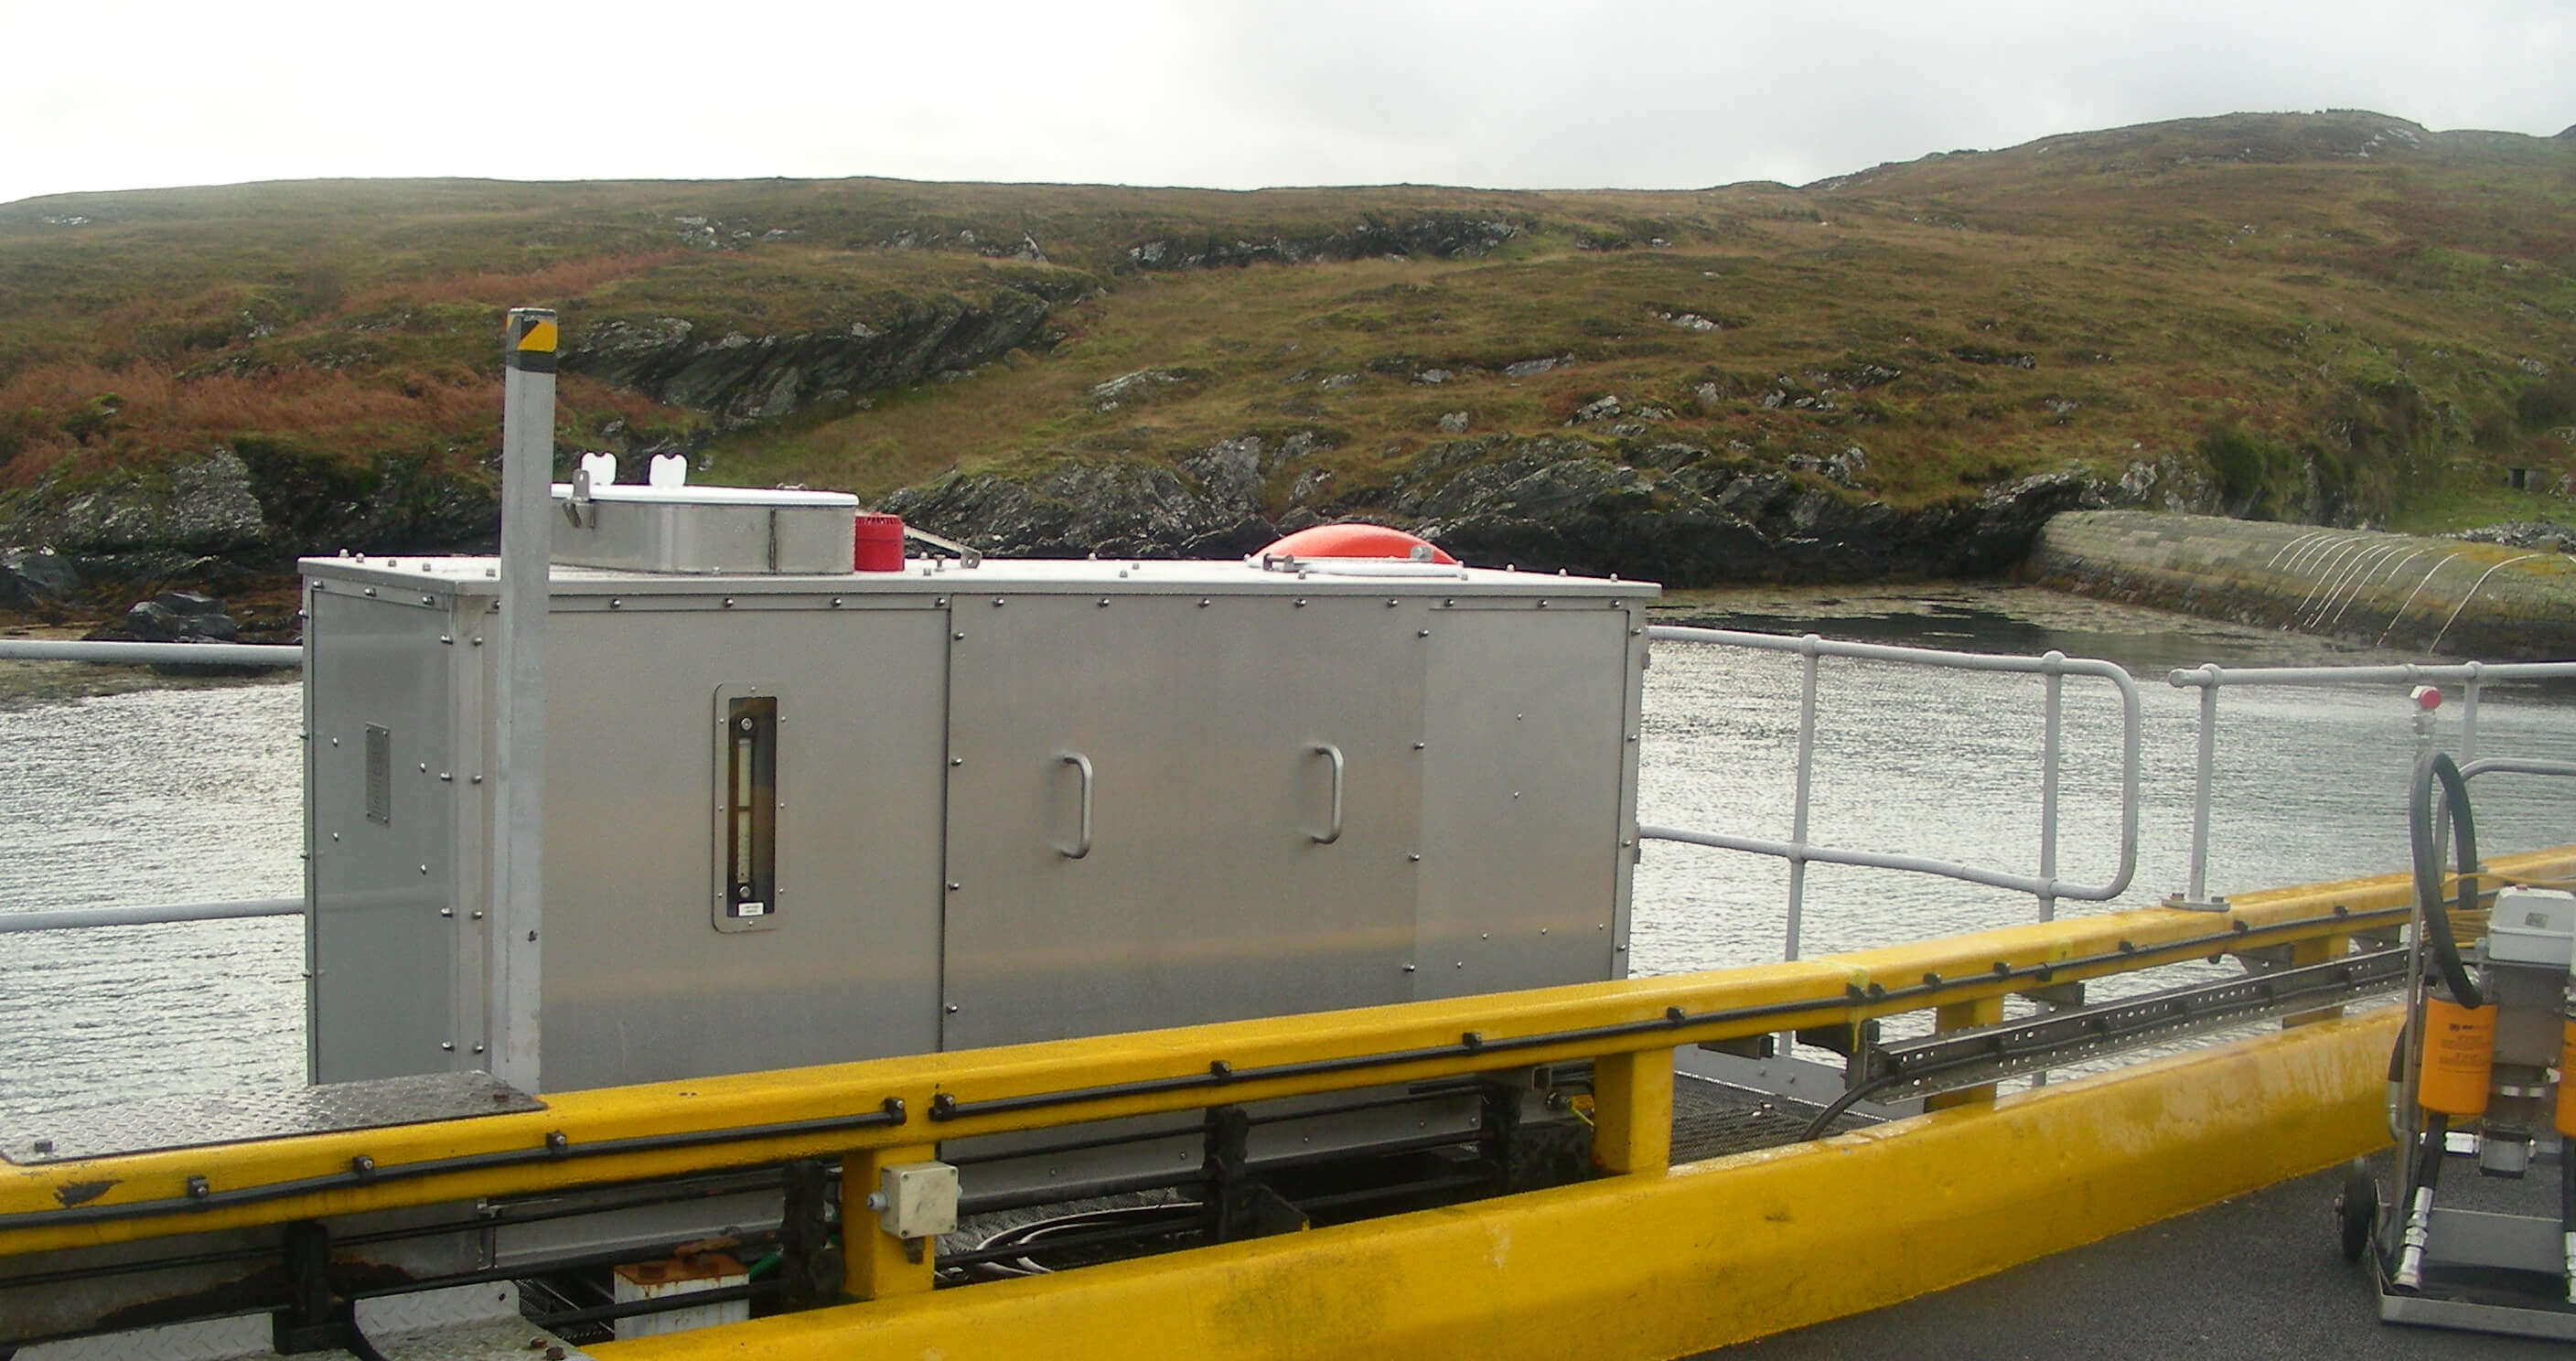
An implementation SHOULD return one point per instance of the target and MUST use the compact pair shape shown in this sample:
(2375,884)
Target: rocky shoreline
(1670,513)
(154,560)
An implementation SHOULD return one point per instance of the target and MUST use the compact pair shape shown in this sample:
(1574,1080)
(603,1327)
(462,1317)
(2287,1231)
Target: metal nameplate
(245,1114)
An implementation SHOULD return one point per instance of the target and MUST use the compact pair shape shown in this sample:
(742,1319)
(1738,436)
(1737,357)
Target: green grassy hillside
(2336,315)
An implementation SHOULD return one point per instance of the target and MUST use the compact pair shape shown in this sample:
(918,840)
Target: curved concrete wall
(2391,590)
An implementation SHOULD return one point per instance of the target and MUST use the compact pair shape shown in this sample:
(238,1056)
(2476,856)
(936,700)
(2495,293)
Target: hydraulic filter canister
(2458,1056)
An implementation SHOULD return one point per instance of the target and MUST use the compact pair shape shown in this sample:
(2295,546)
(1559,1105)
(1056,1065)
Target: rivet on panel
(1104,602)
(836,602)
(956,760)
(616,604)
(728,602)
(1203,602)
(1301,602)
(997,602)
(957,637)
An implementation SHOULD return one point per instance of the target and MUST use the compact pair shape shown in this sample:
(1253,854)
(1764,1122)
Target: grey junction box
(796,819)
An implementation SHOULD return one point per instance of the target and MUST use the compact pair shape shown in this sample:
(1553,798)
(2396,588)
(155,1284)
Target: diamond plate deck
(238,1116)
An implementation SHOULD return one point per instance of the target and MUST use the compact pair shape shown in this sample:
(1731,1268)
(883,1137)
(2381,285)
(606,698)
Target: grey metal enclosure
(797,819)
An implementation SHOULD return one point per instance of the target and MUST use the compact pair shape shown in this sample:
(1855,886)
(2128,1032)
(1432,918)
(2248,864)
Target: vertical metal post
(2199,892)
(2048,754)
(1806,780)
(2469,718)
(519,710)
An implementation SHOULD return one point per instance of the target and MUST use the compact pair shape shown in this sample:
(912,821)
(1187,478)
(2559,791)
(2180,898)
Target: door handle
(1082,841)
(1333,829)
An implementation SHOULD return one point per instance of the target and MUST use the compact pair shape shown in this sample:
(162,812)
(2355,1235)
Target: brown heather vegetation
(2280,303)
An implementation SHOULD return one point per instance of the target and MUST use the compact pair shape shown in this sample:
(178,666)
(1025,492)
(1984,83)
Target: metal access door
(1167,811)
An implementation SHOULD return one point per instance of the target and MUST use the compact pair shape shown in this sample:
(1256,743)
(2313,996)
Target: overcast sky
(112,94)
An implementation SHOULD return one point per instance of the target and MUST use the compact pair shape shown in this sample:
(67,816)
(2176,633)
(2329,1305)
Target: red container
(878,545)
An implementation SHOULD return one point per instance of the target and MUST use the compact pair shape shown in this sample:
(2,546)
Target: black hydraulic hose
(1825,1118)
(355,1343)
(2566,1194)
(2428,867)
(2428,1166)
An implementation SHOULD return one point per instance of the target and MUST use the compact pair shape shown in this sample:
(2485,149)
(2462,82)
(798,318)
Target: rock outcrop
(34,581)
(1672,513)
(743,380)
(1208,507)
(173,617)
(1440,237)
(232,514)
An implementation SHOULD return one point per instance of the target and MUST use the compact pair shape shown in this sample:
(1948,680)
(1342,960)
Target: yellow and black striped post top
(531,343)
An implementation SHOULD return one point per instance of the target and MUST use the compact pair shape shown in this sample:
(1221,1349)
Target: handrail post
(2199,889)
(1809,652)
(1632,1111)
(2469,715)
(2048,760)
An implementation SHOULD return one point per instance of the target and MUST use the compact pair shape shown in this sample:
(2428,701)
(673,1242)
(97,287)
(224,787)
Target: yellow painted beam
(1825,991)
(1641,1268)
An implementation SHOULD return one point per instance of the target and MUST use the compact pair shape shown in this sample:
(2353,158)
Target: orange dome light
(1356,541)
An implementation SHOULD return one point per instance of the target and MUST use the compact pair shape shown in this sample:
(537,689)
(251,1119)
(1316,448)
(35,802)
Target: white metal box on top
(795,819)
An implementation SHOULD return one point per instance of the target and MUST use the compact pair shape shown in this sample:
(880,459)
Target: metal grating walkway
(1712,1119)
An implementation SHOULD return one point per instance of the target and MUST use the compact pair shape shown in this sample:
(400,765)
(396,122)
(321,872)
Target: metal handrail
(69,918)
(2210,678)
(151,654)
(1799,851)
